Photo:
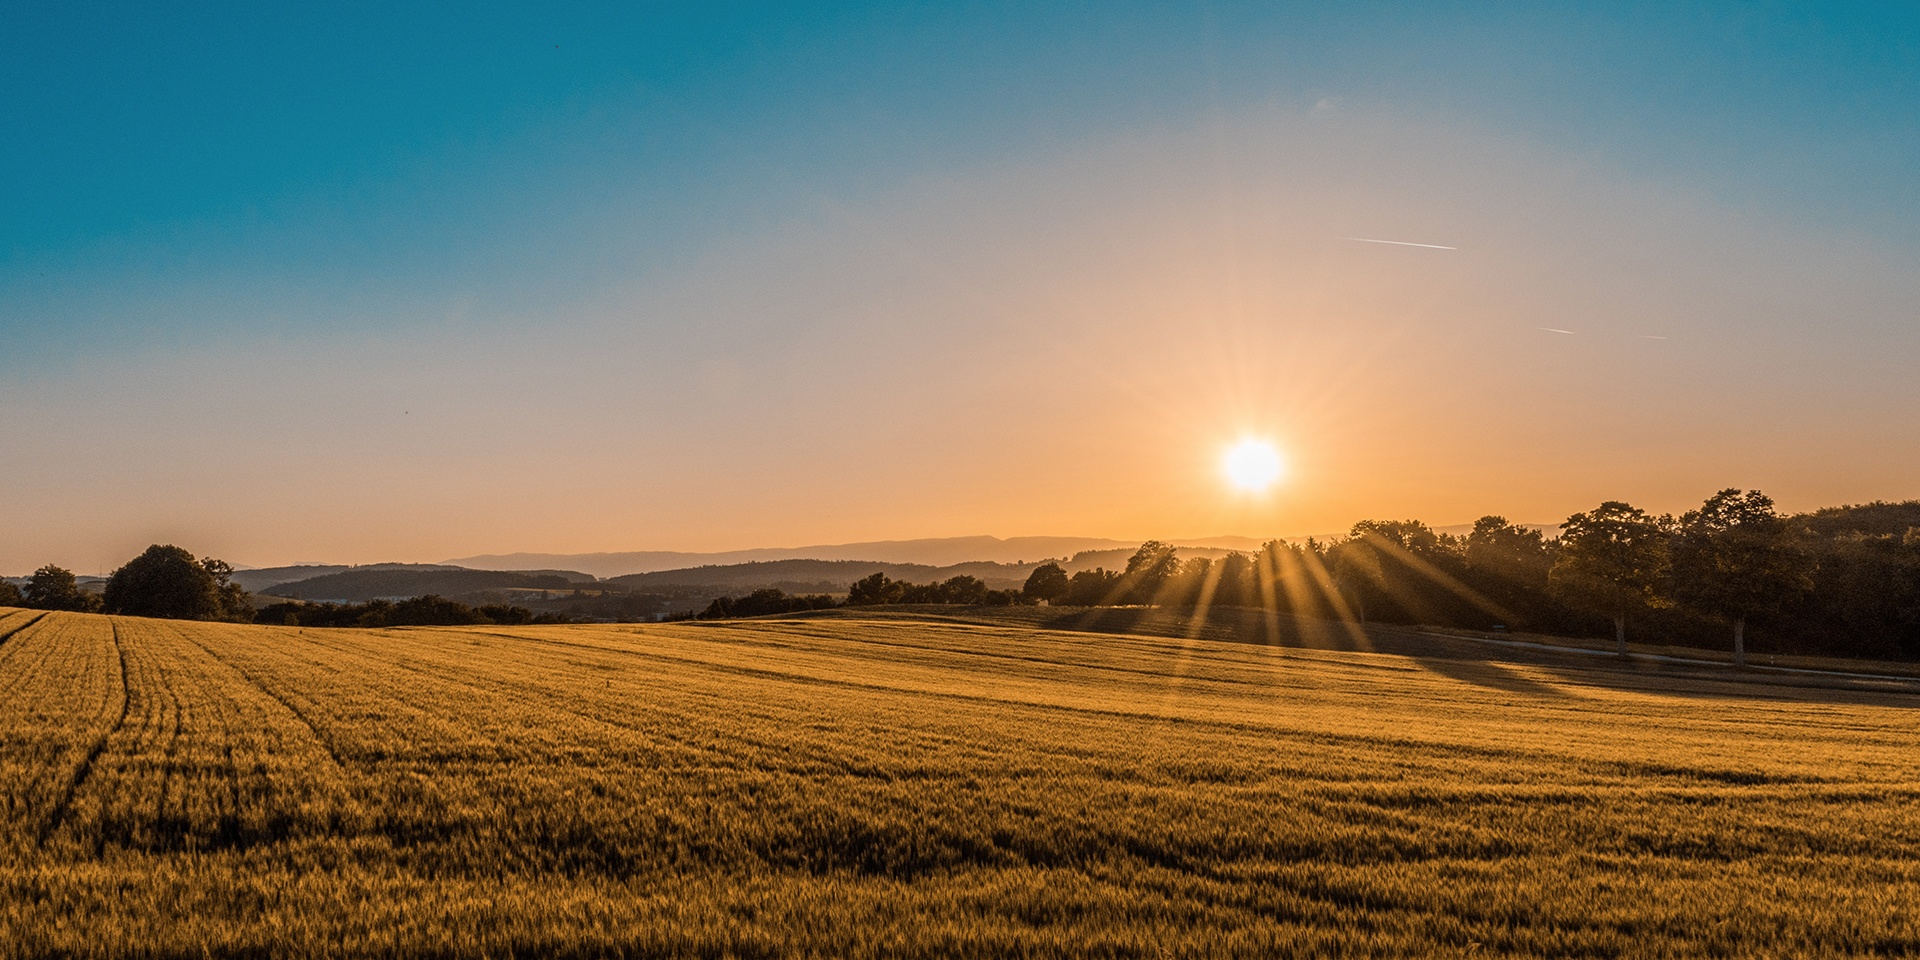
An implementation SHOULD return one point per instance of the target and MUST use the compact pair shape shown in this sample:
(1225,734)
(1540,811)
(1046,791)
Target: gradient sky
(354,285)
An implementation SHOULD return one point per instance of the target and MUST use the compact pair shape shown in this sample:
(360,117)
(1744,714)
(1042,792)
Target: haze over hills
(933,552)
(257,579)
(395,582)
(930,552)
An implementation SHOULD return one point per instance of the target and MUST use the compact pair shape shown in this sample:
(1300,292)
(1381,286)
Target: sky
(358,284)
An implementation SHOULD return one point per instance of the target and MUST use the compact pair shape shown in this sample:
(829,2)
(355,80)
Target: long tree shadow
(1462,658)
(1493,676)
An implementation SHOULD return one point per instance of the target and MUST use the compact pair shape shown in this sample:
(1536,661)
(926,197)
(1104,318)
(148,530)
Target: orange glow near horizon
(1064,348)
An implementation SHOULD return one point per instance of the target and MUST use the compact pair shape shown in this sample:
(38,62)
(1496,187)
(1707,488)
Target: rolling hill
(362,584)
(881,783)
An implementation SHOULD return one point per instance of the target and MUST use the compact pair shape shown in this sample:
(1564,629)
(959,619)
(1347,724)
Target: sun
(1252,465)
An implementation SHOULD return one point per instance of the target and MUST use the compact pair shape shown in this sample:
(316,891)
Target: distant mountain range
(935,552)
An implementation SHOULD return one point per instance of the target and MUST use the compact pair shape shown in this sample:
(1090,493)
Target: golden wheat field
(916,785)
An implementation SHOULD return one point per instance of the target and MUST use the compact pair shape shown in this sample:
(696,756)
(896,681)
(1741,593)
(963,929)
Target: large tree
(1357,570)
(1048,582)
(1510,563)
(1149,569)
(166,581)
(1509,552)
(1613,560)
(1098,587)
(54,588)
(878,588)
(1735,558)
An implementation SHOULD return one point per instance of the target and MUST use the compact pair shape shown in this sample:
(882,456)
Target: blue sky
(352,182)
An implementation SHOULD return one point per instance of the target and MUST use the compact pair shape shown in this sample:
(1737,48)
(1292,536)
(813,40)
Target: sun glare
(1252,465)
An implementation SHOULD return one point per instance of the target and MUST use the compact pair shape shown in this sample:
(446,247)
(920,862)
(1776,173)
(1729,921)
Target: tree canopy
(166,581)
(55,588)
(1048,582)
(1735,557)
(1613,561)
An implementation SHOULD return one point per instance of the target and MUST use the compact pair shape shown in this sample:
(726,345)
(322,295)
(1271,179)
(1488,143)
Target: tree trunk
(1620,635)
(1740,641)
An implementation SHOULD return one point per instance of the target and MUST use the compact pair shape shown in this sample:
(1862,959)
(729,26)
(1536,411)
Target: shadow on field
(1493,676)
(1461,658)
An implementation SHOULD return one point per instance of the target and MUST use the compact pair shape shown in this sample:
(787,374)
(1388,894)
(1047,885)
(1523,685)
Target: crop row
(876,788)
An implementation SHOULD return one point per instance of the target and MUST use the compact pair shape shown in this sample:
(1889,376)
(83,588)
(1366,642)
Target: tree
(1093,588)
(1149,569)
(1356,567)
(166,581)
(1048,582)
(1410,535)
(963,589)
(1409,573)
(874,589)
(1509,552)
(1613,560)
(1510,564)
(1735,557)
(54,588)
(10,595)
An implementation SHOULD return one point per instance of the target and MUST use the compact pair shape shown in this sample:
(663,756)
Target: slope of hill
(259,579)
(818,576)
(938,552)
(890,786)
(361,584)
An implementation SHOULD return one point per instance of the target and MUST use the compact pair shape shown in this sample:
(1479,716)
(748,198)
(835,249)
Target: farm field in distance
(882,784)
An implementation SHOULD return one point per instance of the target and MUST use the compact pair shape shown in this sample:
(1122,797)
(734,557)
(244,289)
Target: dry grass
(911,786)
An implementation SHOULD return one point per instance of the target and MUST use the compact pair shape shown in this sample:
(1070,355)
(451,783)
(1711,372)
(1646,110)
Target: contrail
(1403,243)
(1555,330)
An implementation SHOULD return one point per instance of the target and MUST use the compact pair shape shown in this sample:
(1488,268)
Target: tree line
(168,582)
(1841,580)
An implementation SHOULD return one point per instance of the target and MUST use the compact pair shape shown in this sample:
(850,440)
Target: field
(916,785)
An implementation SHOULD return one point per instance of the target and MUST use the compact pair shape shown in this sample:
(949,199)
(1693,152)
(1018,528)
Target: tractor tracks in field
(9,634)
(83,770)
(325,742)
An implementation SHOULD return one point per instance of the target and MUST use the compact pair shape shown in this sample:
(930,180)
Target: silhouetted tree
(1234,583)
(1410,535)
(1189,586)
(506,613)
(1148,571)
(1048,582)
(1510,564)
(1736,558)
(874,589)
(1093,588)
(54,588)
(1613,560)
(765,601)
(433,611)
(166,581)
(1358,572)
(963,589)
(1510,552)
(1402,571)
(10,595)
